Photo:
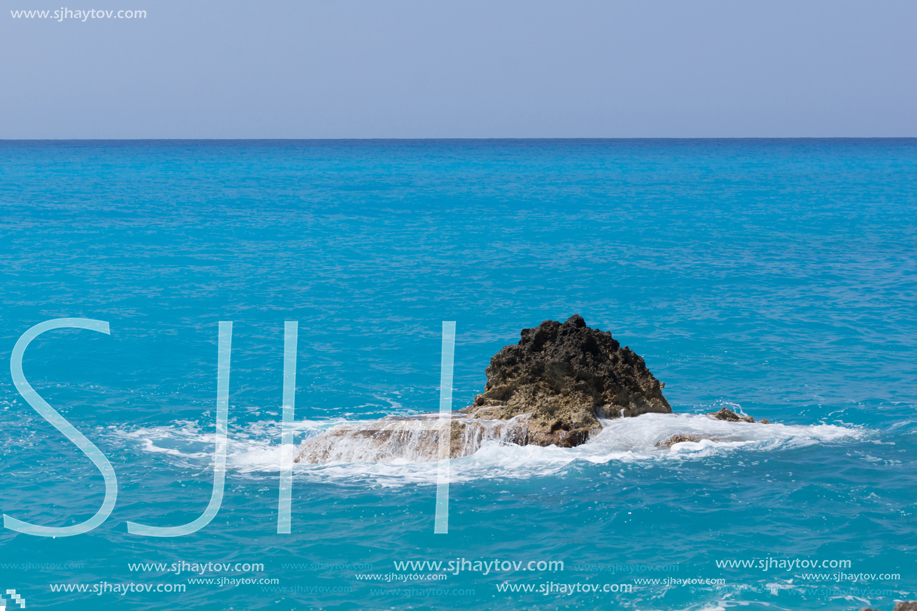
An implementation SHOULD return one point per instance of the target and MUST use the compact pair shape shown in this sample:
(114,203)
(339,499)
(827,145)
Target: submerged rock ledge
(552,388)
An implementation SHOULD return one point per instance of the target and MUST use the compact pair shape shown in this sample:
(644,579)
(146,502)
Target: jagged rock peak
(567,376)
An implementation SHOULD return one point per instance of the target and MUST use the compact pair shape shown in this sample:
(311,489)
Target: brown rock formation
(549,389)
(567,376)
(730,416)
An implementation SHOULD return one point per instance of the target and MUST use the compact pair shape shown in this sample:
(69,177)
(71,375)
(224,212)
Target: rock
(549,389)
(907,605)
(668,443)
(566,377)
(730,416)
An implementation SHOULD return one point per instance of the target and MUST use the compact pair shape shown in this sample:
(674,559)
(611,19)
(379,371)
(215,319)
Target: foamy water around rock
(403,457)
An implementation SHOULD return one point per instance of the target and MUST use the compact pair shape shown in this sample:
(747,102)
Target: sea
(776,278)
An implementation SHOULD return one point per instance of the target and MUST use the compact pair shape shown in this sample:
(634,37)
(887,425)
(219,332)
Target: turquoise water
(774,277)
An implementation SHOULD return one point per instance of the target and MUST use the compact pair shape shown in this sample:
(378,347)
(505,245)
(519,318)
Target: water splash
(400,458)
(413,439)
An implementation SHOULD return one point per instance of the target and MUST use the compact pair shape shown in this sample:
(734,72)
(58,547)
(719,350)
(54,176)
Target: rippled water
(774,277)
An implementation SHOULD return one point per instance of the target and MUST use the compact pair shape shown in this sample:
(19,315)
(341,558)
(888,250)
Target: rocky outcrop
(566,377)
(730,416)
(551,388)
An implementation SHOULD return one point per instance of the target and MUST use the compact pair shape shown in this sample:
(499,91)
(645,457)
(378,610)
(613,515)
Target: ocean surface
(773,277)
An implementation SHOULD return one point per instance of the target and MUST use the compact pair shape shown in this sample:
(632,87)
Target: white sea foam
(408,439)
(255,449)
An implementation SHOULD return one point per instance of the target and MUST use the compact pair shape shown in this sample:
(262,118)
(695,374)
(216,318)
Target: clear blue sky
(469,68)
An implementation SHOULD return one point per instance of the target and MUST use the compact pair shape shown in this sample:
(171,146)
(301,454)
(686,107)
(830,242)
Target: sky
(460,69)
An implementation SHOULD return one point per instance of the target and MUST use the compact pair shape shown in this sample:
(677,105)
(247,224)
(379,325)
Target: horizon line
(469,139)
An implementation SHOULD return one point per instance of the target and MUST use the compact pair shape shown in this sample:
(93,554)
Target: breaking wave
(255,451)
